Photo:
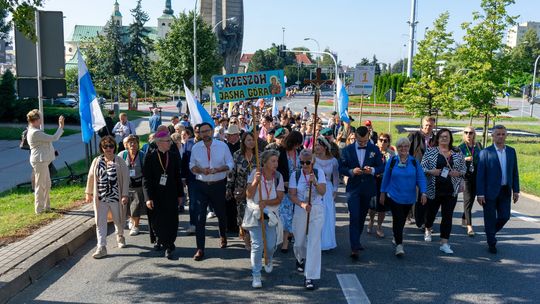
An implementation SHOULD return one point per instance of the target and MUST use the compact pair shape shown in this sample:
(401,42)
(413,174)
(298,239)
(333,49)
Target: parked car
(73,96)
(65,102)
(205,98)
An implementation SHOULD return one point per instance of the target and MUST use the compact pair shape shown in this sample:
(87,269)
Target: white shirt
(360,154)
(268,191)
(217,156)
(501,154)
(302,189)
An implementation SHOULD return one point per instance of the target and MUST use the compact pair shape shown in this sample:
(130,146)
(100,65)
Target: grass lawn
(527,148)
(17,218)
(14,133)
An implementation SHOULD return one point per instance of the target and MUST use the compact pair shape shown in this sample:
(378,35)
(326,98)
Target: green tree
(430,91)
(72,79)
(375,62)
(485,60)
(522,58)
(363,61)
(22,15)
(326,59)
(175,53)
(5,25)
(399,67)
(113,48)
(139,47)
(7,95)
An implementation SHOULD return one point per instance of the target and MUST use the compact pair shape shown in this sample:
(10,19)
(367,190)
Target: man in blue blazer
(497,178)
(360,162)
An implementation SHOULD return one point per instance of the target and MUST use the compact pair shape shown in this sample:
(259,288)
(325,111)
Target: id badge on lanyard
(445,171)
(163,180)
(131,172)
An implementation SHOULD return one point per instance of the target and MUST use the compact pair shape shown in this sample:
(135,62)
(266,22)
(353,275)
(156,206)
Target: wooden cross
(317,83)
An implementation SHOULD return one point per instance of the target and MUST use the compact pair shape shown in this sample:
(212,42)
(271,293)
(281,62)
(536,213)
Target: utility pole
(412,29)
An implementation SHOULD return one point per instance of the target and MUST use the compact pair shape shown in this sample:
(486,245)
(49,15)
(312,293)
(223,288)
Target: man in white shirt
(210,161)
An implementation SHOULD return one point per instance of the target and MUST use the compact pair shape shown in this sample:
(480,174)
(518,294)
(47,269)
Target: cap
(326,132)
(280,132)
(367,123)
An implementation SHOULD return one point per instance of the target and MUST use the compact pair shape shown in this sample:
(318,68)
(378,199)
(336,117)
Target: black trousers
(399,216)
(230,209)
(447,203)
(212,195)
(419,211)
(469,194)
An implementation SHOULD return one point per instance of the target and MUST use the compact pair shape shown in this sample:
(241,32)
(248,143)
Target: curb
(531,197)
(36,266)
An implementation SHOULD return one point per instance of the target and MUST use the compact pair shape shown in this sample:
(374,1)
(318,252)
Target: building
(82,33)
(515,33)
(301,58)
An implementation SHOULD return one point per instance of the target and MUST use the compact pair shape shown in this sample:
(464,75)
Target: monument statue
(228,15)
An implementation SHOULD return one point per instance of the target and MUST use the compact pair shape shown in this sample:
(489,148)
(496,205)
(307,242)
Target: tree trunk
(486,126)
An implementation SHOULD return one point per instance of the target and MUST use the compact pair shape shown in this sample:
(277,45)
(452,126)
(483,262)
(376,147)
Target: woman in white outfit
(307,245)
(266,198)
(329,165)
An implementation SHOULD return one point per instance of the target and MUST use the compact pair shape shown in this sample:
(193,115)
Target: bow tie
(362,148)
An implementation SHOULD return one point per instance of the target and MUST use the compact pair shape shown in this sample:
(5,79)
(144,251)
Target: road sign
(235,87)
(364,77)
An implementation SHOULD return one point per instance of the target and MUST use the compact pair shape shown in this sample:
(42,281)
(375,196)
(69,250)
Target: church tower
(165,21)
(116,15)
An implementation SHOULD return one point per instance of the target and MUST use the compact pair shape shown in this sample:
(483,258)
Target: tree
(303,48)
(7,95)
(399,67)
(175,53)
(522,58)
(263,61)
(375,62)
(22,15)
(326,59)
(430,92)
(363,61)
(139,48)
(485,58)
(114,48)
(5,25)
(72,79)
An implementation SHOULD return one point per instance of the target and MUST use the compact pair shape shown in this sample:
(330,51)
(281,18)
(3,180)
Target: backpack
(24,140)
(394,161)
(298,172)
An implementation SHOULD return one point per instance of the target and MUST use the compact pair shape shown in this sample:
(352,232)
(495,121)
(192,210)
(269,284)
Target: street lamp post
(195,49)
(318,47)
(533,88)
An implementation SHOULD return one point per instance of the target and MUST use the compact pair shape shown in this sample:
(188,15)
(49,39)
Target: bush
(7,96)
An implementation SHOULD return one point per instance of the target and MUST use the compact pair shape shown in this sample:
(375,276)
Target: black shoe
(300,266)
(158,247)
(182,209)
(354,255)
(492,249)
(169,253)
(309,284)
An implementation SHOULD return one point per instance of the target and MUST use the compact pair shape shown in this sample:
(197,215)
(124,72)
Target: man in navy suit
(360,161)
(497,178)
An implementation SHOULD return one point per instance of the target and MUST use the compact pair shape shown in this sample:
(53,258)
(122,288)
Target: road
(137,274)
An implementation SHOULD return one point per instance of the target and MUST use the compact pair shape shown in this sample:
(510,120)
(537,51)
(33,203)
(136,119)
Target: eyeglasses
(469,132)
(108,146)
(384,140)
(307,162)
(233,122)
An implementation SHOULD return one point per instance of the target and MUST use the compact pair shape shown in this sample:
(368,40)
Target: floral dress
(286,208)
(237,181)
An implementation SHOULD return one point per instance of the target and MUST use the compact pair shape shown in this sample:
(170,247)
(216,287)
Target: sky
(352,28)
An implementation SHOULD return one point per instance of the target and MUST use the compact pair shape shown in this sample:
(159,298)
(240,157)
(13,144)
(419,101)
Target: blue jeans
(257,246)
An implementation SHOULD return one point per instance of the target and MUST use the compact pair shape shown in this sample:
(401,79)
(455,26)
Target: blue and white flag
(275,110)
(197,113)
(343,101)
(91,116)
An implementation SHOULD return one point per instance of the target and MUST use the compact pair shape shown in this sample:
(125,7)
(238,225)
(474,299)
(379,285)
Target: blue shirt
(400,184)
(155,122)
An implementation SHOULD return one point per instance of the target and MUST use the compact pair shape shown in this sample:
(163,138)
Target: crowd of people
(272,180)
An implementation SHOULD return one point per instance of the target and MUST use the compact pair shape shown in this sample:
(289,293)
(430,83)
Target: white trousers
(42,186)
(308,247)
(100,211)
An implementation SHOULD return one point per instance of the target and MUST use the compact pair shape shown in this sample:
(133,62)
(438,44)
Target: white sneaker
(121,241)
(134,231)
(130,224)
(427,236)
(210,215)
(394,241)
(268,268)
(446,248)
(257,283)
(100,253)
(399,250)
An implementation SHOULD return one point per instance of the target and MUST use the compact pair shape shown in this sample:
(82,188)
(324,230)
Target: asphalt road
(137,274)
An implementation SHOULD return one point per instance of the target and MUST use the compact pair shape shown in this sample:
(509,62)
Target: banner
(364,77)
(236,87)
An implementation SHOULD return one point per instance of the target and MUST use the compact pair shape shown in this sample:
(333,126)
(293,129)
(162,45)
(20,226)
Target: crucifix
(316,83)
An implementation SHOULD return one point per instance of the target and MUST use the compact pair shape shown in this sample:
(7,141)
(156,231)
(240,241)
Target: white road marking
(352,289)
(523,217)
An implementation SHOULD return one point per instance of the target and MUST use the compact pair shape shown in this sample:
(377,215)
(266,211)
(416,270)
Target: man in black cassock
(163,192)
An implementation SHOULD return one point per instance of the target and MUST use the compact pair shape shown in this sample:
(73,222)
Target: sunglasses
(384,140)
(469,132)
(109,146)
(307,162)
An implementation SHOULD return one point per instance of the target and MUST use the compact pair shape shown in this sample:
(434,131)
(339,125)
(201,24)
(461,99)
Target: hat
(162,135)
(367,123)
(279,132)
(232,129)
(326,132)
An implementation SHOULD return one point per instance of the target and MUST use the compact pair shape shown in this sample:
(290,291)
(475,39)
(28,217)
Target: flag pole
(315,126)
(258,165)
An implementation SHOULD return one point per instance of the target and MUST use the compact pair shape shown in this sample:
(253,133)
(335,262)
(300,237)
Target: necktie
(362,148)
